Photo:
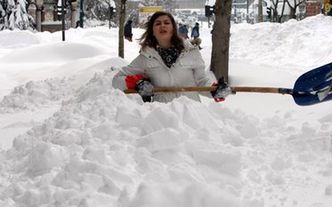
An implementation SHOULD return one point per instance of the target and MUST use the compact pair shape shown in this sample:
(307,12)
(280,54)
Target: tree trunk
(220,39)
(122,17)
(260,11)
(282,12)
(275,14)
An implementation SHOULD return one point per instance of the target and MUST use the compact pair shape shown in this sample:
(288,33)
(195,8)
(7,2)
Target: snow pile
(54,52)
(17,39)
(86,152)
(36,94)
(104,148)
(291,42)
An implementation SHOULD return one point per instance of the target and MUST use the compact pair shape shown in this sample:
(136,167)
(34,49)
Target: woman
(165,60)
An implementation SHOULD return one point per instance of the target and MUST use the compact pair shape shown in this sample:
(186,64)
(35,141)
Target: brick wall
(313,8)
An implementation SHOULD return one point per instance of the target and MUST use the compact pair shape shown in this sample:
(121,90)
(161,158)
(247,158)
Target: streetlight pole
(63,19)
(81,13)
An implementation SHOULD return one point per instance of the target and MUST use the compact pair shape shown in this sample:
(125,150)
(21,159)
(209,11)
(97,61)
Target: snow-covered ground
(67,138)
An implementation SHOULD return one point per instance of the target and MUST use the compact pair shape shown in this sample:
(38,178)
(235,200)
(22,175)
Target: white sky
(67,138)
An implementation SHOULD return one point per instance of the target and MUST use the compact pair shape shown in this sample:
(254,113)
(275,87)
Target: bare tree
(274,10)
(282,12)
(220,38)
(293,7)
(121,10)
(276,16)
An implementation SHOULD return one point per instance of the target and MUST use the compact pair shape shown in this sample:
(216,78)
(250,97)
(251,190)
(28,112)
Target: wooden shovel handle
(211,88)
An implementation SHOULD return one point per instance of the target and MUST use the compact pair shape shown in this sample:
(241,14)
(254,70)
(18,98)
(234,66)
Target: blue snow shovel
(312,87)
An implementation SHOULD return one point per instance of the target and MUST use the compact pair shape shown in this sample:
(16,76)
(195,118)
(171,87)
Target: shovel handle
(212,88)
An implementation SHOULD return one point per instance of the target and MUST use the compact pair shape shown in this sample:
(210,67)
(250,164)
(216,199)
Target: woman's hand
(145,90)
(222,90)
(142,85)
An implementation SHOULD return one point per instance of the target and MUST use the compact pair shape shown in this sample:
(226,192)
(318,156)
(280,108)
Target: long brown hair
(148,39)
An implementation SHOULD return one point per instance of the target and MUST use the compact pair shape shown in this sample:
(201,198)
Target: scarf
(168,55)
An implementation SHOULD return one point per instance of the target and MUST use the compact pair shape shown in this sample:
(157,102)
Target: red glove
(131,80)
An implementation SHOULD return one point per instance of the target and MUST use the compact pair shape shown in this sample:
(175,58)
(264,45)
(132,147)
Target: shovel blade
(314,86)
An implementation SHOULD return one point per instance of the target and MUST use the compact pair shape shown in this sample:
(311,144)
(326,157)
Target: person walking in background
(128,31)
(195,31)
(166,60)
(195,36)
(183,31)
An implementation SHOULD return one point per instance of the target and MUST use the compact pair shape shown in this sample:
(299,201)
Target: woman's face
(163,29)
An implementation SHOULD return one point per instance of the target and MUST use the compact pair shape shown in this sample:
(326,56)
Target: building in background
(47,16)
(313,7)
(191,4)
(145,12)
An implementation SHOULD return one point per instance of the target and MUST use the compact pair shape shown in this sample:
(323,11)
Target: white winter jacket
(188,70)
